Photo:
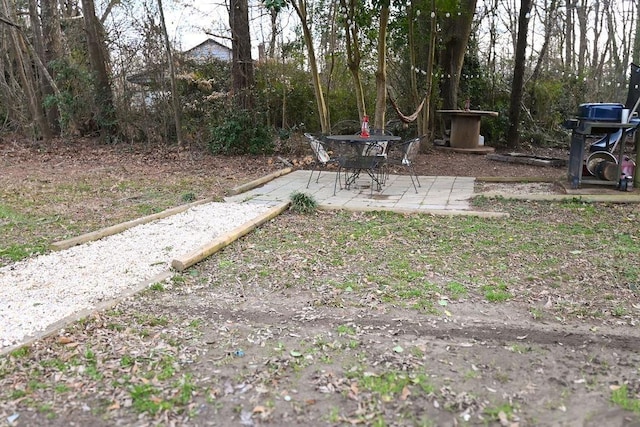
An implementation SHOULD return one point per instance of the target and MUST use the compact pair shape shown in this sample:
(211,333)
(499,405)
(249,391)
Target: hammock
(412,117)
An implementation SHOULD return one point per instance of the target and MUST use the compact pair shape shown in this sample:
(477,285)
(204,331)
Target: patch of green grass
(456,290)
(151,321)
(126,361)
(116,327)
(178,279)
(495,292)
(20,353)
(536,313)
(195,323)
(224,264)
(519,348)
(493,412)
(61,388)
(390,384)
(622,397)
(145,209)
(619,311)
(334,415)
(91,365)
(157,286)
(145,399)
(47,408)
(346,330)
(164,368)
(17,394)
(17,252)
(185,390)
(188,197)
(56,363)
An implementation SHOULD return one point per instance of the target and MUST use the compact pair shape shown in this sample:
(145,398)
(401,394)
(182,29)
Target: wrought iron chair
(322,156)
(351,166)
(403,154)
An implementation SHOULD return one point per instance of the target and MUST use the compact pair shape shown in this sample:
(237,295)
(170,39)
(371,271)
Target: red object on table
(365,127)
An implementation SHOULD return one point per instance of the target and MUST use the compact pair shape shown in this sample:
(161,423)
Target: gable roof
(209,49)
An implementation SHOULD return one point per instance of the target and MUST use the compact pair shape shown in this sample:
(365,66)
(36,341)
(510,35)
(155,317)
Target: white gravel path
(37,292)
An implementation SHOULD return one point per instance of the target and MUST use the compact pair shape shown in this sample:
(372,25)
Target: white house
(209,49)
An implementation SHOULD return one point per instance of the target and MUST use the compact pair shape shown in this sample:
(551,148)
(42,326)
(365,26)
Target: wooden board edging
(205,251)
(589,198)
(257,182)
(115,229)
(515,179)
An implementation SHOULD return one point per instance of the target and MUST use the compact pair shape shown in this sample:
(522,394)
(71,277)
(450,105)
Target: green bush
(303,203)
(240,133)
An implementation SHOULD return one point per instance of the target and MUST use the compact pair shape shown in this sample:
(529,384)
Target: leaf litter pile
(375,319)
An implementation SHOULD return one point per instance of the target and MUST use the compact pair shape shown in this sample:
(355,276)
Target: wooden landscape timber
(205,251)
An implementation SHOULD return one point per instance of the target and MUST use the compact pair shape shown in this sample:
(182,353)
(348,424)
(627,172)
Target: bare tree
(352,47)
(242,67)
(636,41)
(51,51)
(518,74)
(569,36)
(581,13)
(549,19)
(172,76)
(381,71)
(100,66)
(300,6)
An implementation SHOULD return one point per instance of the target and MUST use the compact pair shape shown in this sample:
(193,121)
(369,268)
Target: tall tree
(242,65)
(549,19)
(300,7)
(352,46)
(100,65)
(635,57)
(517,85)
(581,14)
(172,76)
(51,51)
(569,36)
(456,31)
(381,71)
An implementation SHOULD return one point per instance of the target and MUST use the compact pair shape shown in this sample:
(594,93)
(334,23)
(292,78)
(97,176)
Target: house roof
(208,41)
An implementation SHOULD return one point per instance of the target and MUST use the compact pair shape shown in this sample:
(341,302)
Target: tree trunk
(423,125)
(597,30)
(52,50)
(352,47)
(242,67)
(98,58)
(581,13)
(381,72)
(550,19)
(19,51)
(300,6)
(635,57)
(611,26)
(172,75)
(518,74)
(45,89)
(456,32)
(568,43)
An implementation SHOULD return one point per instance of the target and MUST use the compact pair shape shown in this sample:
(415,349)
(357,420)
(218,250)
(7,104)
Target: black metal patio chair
(323,156)
(403,154)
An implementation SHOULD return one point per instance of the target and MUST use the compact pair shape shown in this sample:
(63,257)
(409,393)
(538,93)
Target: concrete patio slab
(436,194)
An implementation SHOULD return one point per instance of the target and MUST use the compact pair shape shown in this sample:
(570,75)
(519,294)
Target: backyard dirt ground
(257,337)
